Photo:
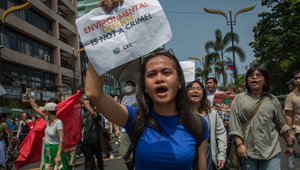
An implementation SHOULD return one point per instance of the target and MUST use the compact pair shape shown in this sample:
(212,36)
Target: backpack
(91,129)
(199,120)
(25,128)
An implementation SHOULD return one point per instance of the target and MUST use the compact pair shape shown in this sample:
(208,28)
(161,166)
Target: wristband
(290,145)
(240,144)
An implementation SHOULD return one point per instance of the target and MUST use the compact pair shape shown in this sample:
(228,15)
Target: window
(26,45)
(30,15)
(15,75)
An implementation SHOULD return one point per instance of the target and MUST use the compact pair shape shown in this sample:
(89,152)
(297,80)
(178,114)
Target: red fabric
(230,67)
(69,112)
(31,125)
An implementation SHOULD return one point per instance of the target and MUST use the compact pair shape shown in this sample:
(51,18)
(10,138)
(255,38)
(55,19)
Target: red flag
(69,112)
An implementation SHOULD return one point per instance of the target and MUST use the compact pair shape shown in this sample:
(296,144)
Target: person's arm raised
(34,106)
(111,109)
(108,5)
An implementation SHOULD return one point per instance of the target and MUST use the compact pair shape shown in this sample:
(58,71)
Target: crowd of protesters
(225,117)
(168,125)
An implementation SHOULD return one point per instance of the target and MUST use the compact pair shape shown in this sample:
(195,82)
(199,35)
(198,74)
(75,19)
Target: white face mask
(128,89)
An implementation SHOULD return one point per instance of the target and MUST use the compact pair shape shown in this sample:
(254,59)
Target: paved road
(117,163)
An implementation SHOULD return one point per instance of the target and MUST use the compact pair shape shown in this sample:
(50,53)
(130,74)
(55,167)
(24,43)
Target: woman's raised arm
(111,109)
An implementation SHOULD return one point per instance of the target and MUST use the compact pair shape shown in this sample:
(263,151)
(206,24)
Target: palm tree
(204,71)
(216,50)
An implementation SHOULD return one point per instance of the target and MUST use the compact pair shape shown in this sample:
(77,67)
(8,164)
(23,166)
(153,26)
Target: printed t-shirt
(172,148)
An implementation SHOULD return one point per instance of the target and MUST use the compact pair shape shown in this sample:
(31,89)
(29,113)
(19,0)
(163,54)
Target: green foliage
(277,42)
(216,50)
(239,82)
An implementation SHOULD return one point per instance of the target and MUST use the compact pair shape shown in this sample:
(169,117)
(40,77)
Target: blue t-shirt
(9,125)
(173,148)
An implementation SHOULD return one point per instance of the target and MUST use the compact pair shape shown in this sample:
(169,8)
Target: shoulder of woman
(213,111)
(59,121)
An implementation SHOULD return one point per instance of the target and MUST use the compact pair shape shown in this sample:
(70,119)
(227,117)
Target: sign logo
(127,46)
(117,50)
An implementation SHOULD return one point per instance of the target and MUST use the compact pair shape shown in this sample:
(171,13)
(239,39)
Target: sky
(192,27)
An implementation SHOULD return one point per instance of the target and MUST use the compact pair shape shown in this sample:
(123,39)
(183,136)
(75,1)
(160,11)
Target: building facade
(39,51)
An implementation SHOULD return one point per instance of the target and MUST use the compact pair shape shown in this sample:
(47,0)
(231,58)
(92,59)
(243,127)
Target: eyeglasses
(195,88)
(256,75)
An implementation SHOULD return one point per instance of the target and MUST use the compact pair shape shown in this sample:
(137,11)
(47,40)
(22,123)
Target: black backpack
(25,128)
(92,131)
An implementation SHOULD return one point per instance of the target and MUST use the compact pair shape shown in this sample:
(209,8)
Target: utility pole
(230,23)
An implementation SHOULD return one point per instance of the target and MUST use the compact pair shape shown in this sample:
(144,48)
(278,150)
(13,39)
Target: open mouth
(195,95)
(161,90)
(254,83)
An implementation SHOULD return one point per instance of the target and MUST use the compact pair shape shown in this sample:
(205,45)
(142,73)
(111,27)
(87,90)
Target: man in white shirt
(211,87)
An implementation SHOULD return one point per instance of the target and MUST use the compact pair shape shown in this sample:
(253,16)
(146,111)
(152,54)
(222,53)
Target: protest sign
(128,32)
(188,68)
(222,103)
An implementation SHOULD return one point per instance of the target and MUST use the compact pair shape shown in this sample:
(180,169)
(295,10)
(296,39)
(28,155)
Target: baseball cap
(50,106)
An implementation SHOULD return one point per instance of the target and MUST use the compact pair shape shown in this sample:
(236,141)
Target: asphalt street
(117,162)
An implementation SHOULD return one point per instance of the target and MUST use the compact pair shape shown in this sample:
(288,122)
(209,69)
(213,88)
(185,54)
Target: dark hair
(52,112)
(26,113)
(53,100)
(204,105)
(265,74)
(131,82)
(231,87)
(145,103)
(296,72)
(213,79)
(4,115)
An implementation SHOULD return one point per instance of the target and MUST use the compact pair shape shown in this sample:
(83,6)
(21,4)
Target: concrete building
(39,51)
(85,6)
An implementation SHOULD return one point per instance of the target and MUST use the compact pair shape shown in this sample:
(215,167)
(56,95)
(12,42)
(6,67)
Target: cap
(50,106)
(291,81)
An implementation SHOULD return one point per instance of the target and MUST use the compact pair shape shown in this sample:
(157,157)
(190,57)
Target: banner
(188,68)
(222,103)
(229,66)
(128,32)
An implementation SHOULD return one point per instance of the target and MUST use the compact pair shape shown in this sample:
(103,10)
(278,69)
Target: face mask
(128,89)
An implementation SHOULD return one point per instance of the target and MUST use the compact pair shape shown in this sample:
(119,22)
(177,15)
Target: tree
(201,72)
(216,50)
(277,42)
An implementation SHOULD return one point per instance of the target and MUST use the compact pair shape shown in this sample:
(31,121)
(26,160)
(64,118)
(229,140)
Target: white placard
(188,68)
(128,32)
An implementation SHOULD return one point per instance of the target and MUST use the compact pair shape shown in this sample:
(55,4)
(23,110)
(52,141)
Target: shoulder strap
(253,114)
(1,130)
